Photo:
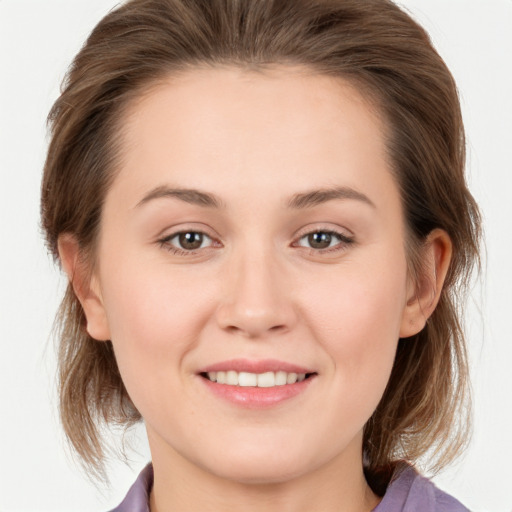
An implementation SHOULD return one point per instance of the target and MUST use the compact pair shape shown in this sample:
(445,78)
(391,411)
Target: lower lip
(257,398)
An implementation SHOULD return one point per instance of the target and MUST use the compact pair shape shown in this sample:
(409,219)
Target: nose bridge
(256,298)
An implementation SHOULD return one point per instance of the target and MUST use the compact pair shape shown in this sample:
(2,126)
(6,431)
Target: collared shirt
(407,492)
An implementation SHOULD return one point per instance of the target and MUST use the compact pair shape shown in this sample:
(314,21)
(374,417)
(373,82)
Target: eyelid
(345,236)
(324,228)
(164,240)
(172,236)
(185,227)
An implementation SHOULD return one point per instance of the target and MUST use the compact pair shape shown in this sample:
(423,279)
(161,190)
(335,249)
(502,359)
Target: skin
(256,288)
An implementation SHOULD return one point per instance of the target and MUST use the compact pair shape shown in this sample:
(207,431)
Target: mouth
(257,384)
(261,380)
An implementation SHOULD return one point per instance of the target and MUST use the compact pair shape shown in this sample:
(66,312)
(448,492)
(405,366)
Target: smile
(257,384)
(260,380)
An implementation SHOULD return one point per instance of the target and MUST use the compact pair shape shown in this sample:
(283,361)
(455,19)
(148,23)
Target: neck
(336,486)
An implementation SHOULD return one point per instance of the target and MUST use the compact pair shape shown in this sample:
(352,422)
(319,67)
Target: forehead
(228,128)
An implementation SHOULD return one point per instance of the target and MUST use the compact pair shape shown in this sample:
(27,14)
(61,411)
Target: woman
(262,211)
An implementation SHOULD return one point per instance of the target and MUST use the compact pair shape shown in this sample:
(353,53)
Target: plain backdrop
(38,39)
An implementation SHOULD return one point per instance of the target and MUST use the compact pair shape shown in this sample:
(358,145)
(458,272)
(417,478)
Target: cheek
(150,302)
(154,319)
(358,317)
(366,298)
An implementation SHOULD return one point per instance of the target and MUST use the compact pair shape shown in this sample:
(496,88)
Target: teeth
(232,378)
(266,380)
(291,378)
(281,378)
(247,379)
(261,380)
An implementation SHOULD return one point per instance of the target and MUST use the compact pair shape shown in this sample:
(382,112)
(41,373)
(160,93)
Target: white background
(38,39)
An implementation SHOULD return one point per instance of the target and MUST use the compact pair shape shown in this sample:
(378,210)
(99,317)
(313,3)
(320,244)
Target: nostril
(254,331)
(240,319)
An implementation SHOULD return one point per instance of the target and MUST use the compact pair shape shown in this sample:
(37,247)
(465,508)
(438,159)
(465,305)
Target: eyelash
(343,242)
(166,244)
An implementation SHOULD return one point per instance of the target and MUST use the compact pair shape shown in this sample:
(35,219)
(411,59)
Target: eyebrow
(298,201)
(316,197)
(188,195)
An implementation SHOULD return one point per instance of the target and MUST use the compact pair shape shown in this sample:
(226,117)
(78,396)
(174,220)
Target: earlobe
(436,255)
(85,286)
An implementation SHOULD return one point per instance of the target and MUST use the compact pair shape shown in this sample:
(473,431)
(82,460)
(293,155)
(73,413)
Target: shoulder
(411,492)
(137,499)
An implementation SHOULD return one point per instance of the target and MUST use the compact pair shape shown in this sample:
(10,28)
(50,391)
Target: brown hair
(373,44)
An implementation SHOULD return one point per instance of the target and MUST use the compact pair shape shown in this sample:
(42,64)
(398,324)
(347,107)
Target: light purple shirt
(407,492)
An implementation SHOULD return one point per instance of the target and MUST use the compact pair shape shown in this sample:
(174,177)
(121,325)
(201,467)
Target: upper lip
(256,366)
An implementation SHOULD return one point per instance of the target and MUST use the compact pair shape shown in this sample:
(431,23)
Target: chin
(265,474)
(260,465)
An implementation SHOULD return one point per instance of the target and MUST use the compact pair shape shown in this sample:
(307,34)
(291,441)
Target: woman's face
(255,232)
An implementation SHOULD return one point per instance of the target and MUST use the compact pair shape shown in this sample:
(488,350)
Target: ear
(424,294)
(85,286)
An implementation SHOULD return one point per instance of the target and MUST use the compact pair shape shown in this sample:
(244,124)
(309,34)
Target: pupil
(191,240)
(319,240)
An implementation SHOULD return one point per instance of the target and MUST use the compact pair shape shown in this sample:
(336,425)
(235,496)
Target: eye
(321,240)
(186,241)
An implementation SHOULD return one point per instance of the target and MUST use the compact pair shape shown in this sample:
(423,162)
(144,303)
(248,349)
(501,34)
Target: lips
(260,366)
(256,384)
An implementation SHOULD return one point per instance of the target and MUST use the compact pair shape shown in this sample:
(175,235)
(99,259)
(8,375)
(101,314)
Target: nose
(256,297)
